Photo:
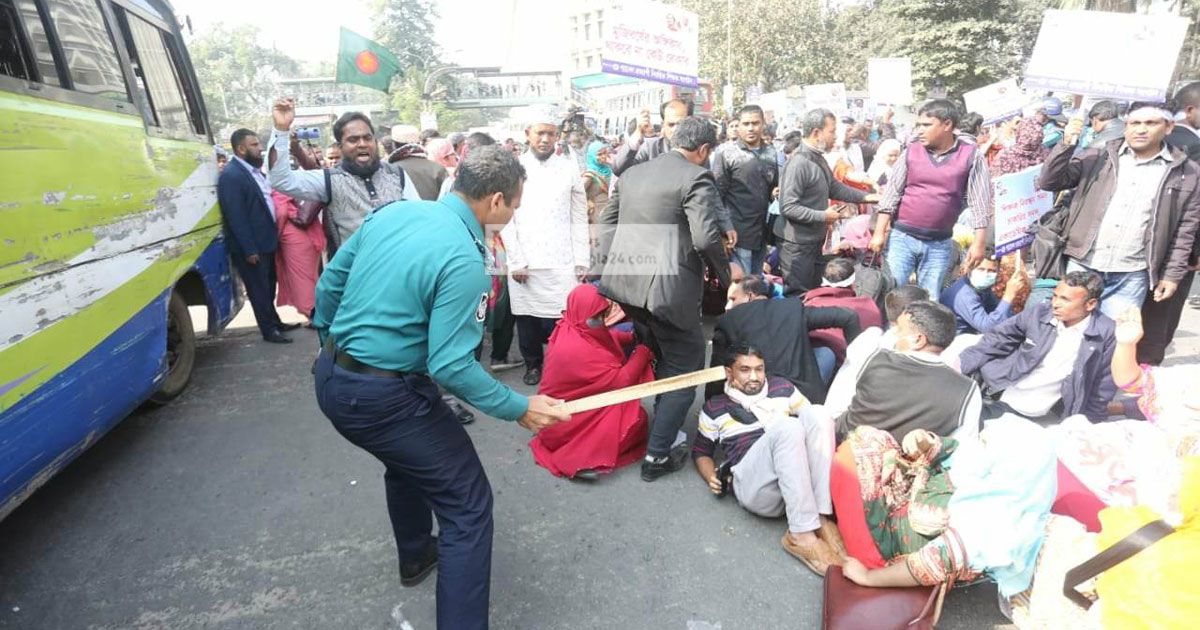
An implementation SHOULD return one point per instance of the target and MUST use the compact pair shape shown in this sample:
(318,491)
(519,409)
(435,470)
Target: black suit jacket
(249,228)
(659,229)
(780,329)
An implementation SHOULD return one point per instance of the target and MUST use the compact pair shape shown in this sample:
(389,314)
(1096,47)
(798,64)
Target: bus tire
(180,354)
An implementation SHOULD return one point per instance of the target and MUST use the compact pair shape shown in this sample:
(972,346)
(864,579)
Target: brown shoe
(817,556)
(830,534)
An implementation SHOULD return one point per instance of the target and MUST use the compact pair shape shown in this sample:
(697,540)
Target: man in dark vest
(912,388)
(937,178)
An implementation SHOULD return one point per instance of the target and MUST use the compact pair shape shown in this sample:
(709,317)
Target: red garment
(832,338)
(1074,499)
(581,361)
(298,259)
(846,492)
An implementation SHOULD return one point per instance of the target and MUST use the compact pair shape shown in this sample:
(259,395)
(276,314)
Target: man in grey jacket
(805,188)
(662,221)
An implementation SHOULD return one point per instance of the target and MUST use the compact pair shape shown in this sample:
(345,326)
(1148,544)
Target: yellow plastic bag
(1157,587)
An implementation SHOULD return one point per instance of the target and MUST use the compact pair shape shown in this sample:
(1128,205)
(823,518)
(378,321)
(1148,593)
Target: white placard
(429,120)
(998,101)
(889,80)
(1122,56)
(1018,205)
(831,96)
(657,42)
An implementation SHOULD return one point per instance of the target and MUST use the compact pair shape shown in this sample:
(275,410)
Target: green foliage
(406,27)
(238,77)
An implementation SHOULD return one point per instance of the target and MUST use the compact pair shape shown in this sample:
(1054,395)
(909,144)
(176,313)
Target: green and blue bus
(109,226)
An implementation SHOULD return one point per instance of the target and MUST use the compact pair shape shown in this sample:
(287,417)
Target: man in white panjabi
(546,242)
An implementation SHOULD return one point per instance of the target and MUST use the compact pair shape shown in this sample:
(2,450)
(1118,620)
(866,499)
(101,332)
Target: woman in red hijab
(585,357)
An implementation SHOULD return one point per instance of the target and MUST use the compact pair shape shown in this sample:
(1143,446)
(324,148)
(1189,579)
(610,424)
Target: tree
(238,77)
(406,27)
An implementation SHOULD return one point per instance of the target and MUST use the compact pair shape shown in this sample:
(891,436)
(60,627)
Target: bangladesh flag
(365,62)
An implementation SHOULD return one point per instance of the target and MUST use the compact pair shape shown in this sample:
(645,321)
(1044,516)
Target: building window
(589,61)
(599,30)
(587,32)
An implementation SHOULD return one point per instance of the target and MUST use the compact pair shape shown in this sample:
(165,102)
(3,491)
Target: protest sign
(648,40)
(1018,205)
(998,101)
(889,80)
(831,96)
(1125,56)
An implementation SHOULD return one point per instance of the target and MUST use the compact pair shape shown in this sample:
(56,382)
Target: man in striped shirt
(778,454)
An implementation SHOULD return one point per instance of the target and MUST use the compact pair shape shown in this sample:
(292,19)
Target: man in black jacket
(660,228)
(805,188)
(780,327)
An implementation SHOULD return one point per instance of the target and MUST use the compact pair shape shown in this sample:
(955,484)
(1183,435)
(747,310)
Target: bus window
(154,65)
(91,55)
(14,57)
(43,54)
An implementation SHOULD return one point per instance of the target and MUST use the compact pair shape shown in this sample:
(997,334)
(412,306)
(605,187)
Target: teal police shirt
(408,292)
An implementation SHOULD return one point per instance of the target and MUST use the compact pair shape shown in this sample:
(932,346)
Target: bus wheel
(181,351)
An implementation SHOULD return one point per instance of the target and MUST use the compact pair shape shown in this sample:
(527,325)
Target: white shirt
(841,391)
(1035,394)
(261,180)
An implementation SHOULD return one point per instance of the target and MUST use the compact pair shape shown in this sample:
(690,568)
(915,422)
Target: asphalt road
(238,506)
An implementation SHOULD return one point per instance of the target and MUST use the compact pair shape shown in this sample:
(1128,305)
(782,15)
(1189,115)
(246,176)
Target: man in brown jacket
(1136,208)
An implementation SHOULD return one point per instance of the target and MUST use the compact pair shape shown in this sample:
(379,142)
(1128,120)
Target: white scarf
(767,410)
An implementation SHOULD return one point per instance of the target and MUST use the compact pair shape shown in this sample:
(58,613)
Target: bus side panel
(224,299)
(47,429)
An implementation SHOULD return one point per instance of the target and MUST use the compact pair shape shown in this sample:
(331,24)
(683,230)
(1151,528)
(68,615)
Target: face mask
(595,322)
(981,279)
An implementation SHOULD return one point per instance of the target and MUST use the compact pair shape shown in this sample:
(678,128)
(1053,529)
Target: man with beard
(351,189)
(250,232)
(778,454)
(546,242)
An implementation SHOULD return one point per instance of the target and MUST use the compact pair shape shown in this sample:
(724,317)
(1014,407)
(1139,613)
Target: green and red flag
(364,62)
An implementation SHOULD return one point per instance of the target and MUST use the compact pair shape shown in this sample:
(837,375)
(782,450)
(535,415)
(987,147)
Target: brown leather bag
(849,606)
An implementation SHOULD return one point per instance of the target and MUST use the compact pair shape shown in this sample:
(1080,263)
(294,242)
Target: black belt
(347,362)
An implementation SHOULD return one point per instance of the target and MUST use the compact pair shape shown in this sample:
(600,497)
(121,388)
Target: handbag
(1121,551)
(307,211)
(849,606)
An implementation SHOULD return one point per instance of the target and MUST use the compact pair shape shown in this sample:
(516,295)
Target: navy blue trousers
(259,281)
(432,470)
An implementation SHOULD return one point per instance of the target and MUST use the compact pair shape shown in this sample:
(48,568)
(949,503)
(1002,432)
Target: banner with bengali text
(652,41)
(1018,205)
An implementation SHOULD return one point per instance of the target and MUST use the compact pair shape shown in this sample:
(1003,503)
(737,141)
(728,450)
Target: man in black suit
(250,235)
(661,225)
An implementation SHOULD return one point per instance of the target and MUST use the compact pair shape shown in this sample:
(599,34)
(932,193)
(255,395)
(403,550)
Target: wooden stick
(643,390)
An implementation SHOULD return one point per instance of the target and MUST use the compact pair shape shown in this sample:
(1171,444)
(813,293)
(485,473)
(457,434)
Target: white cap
(1156,110)
(542,115)
(406,134)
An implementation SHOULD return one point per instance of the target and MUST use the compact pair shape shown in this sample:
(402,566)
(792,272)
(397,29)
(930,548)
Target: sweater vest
(934,193)
(351,198)
(899,393)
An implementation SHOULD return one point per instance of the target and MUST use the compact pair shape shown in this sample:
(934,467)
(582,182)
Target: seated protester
(995,520)
(1051,361)
(976,308)
(838,289)
(778,453)
(585,357)
(911,388)
(781,328)
(867,344)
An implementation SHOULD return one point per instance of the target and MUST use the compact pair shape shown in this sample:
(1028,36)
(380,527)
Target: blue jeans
(1123,290)
(826,362)
(929,259)
(750,260)
(430,465)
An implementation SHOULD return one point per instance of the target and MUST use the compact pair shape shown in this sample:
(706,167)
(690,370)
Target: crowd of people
(914,406)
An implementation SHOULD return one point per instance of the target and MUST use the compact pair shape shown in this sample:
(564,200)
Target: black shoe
(533,376)
(413,573)
(463,414)
(276,337)
(289,327)
(674,461)
(587,474)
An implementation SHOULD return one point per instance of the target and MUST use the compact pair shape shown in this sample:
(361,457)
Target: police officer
(399,307)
